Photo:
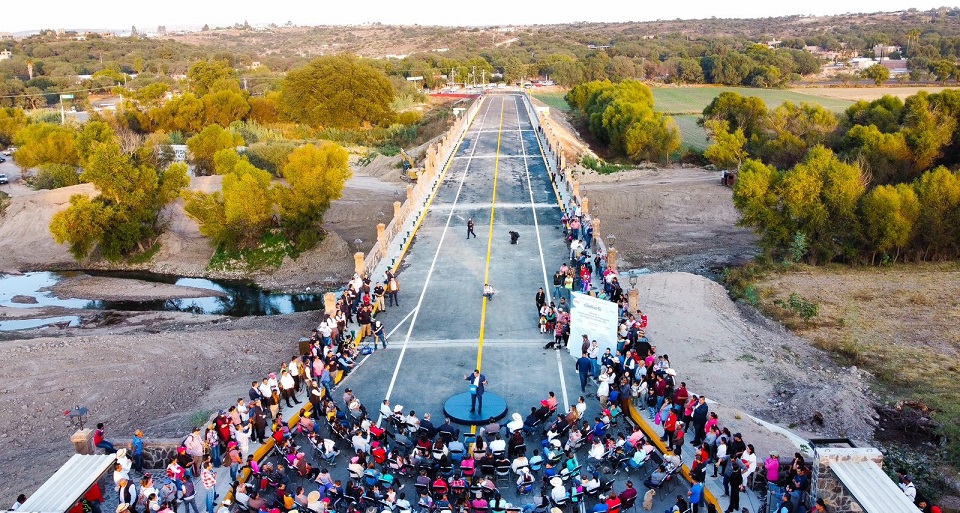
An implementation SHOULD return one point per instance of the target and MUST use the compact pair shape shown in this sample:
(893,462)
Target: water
(242,299)
(25,324)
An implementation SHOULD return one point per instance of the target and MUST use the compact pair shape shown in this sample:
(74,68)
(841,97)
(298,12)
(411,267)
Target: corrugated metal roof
(872,488)
(68,484)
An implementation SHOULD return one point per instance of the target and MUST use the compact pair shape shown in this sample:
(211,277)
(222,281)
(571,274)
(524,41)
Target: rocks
(24,300)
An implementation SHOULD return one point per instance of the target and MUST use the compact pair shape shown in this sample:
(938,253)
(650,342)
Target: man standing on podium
(477,382)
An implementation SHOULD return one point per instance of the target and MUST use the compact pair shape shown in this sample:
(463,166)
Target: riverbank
(125,289)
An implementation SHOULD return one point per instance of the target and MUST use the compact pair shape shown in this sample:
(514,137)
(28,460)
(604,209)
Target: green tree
(81,225)
(224,107)
(756,198)
(11,121)
(315,177)
(337,91)
(747,113)
(727,150)
(890,215)
(210,76)
(937,230)
(943,69)
(926,129)
(54,176)
(238,215)
(885,156)
(181,114)
(878,73)
(126,213)
(207,143)
(45,143)
(92,133)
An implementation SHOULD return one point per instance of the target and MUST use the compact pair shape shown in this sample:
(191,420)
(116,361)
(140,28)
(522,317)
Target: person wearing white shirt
(516,422)
(498,444)
(750,461)
(581,407)
(518,463)
(596,450)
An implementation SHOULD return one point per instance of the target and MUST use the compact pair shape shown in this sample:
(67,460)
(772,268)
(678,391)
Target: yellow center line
(493,207)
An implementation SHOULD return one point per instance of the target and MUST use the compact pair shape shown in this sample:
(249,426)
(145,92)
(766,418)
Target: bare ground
(673,219)
(121,289)
(158,371)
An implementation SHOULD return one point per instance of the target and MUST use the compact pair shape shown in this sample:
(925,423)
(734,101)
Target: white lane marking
(543,264)
(395,328)
(426,282)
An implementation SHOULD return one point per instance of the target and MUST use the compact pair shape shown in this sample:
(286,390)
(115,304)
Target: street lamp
(76,416)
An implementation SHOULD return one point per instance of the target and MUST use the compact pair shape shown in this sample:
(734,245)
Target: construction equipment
(410,170)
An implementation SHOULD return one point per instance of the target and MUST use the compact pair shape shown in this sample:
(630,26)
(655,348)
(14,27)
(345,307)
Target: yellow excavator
(410,170)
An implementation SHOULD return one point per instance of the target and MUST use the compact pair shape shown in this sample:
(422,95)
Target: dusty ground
(115,289)
(675,219)
(156,372)
(750,366)
(26,244)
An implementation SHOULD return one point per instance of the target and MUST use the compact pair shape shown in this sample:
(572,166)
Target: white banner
(595,318)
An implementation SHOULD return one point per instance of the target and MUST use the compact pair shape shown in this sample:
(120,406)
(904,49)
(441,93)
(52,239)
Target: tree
(183,113)
(45,143)
(82,225)
(727,150)
(316,177)
(224,107)
(756,198)
(878,73)
(207,143)
(890,214)
(927,129)
(209,76)
(238,216)
(943,69)
(11,121)
(937,229)
(338,91)
(126,213)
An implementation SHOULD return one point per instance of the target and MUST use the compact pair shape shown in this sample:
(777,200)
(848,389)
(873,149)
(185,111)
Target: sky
(177,14)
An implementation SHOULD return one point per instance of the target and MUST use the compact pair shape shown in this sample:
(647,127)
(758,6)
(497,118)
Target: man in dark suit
(477,381)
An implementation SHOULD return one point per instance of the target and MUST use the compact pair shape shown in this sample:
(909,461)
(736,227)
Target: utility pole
(474,74)
(483,75)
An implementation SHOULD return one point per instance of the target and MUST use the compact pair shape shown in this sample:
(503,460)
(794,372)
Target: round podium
(458,409)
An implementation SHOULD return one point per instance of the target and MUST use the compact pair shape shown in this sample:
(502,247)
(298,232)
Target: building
(5,54)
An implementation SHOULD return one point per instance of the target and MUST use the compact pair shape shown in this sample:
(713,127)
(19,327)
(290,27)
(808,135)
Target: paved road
(498,177)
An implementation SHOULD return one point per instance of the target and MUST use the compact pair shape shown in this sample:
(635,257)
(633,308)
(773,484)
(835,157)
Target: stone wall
(158,452)
(826,485)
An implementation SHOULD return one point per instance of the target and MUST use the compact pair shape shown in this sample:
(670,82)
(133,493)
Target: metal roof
(872,488)
(68,484)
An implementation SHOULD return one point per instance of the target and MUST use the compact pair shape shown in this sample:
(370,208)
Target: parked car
(3,178)
(2,160)
(8,151)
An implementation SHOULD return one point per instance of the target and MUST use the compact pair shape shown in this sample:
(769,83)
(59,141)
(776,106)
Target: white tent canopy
(68,484)
(872,488)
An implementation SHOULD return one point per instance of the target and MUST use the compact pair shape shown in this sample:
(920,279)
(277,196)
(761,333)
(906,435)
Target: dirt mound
(749,364)
(383,167)
(25,240)
(673,219)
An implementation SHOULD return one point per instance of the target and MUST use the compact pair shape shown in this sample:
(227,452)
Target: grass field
(554,100)
(694,136)
(900,322)
(692,100)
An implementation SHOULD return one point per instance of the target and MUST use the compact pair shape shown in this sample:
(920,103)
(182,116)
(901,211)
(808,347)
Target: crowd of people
(528,464)
(191,477)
